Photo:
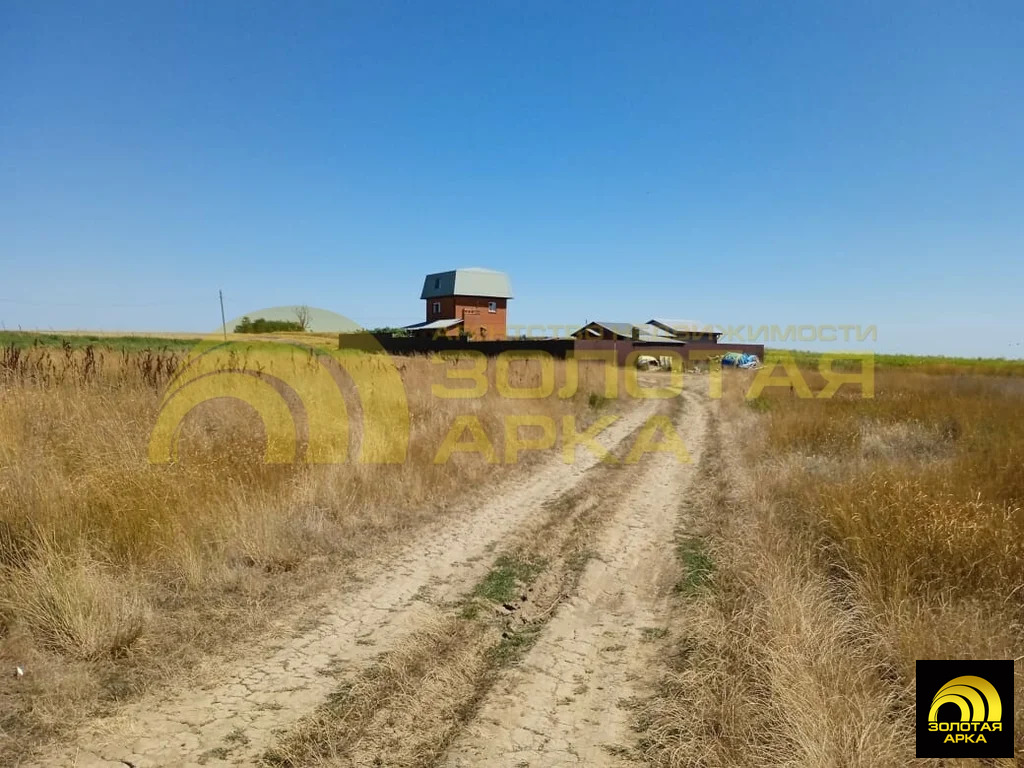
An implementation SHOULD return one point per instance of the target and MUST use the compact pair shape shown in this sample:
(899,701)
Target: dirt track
(561,706)
(232,718)
(568,702)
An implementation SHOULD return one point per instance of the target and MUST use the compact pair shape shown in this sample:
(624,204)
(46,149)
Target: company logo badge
(964,708)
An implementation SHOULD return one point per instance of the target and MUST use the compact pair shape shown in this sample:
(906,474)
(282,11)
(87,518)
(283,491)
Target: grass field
(113,342)
(116,573)
(845,538)
(183,341)
(117,342)
(938,364)
(829,544)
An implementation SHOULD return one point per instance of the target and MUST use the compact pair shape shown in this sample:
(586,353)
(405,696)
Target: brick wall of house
(477,319)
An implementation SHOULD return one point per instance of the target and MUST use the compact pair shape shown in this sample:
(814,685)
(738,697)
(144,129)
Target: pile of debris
(740,360)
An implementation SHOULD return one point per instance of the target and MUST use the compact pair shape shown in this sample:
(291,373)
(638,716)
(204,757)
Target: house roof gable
(469,281)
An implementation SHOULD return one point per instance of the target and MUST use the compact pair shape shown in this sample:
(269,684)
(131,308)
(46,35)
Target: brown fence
(623,348)
(402,345)
(558,348)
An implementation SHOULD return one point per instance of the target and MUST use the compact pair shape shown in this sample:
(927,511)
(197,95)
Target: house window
(437,307)
(492,306)
(437,283)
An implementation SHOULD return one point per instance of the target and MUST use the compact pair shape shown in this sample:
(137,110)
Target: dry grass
(72,606)
(403,710)
(850,538)
(117,572)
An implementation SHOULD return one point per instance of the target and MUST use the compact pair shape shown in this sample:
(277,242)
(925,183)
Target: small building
(469,303)
(658,338)
(600,330)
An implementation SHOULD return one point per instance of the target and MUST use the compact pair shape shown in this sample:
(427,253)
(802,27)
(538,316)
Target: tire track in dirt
(407,707)
(568,702)
(234,717)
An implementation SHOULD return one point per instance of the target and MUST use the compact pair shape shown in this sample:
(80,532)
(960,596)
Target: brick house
(471,303)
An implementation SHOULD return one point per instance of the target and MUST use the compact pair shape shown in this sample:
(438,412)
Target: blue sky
(736,163)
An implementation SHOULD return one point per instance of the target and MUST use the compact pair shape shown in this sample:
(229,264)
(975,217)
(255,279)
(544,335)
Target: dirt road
(564,704)
(234,716)
(567,704)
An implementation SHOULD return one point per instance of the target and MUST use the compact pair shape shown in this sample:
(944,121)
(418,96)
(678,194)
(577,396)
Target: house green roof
(470,281)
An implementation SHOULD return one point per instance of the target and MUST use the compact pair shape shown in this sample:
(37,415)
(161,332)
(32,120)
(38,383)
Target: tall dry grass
(851,537)
(115,572)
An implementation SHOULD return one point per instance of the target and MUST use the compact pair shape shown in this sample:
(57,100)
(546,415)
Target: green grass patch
(503,584)
(24,339)
(504,581)
(759,404)
(650,634)
(514,645)
(698,565)
(993,366)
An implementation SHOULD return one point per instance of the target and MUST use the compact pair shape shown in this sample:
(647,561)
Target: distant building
(652,332)
(471,302)
(601,330)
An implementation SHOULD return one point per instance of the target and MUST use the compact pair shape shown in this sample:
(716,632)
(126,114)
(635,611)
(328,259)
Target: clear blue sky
(735,163)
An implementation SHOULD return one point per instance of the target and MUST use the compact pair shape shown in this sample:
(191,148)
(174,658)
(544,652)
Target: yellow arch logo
(297,391)
(976,697)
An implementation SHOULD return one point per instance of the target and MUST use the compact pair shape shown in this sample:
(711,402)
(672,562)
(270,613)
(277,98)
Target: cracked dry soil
(569,702)
(243,706)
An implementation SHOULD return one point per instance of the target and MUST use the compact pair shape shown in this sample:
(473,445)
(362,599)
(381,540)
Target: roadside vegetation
(179,343)
(262,325)
(116,573)
(841,540)
(99,342)
(935,364)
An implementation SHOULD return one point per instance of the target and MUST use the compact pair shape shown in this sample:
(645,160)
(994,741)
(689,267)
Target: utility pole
(223,322)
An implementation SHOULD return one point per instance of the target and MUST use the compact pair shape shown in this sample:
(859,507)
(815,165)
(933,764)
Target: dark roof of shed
(625,331)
